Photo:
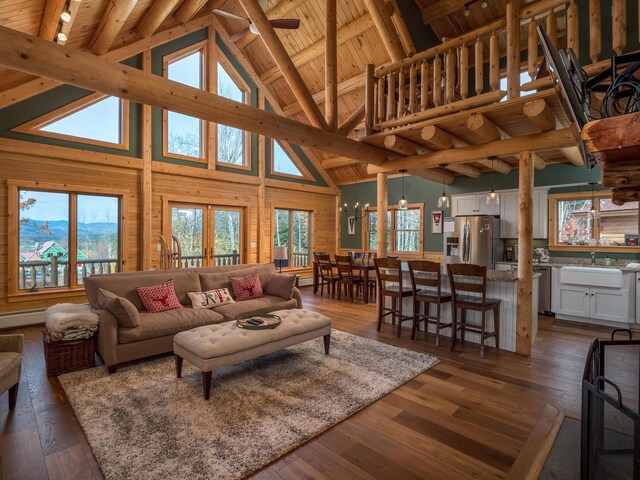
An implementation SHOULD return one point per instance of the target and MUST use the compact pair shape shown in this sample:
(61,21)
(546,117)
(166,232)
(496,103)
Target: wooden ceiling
(359,42)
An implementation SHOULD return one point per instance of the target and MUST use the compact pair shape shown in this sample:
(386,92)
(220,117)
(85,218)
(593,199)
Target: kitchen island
(502,285)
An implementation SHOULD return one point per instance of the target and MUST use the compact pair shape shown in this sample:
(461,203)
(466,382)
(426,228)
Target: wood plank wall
(59,165)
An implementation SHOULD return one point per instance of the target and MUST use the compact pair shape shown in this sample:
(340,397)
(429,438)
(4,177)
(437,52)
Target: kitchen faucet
(593,258)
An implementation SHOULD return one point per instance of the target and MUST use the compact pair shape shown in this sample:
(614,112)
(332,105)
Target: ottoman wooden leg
(327,341)
(178,366)
(206,384)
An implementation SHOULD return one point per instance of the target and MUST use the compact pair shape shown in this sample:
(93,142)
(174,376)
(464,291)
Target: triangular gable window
(96,119)
(283,163)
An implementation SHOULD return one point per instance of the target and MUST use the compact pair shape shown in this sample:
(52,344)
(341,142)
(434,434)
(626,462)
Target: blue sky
(52,206)
(281,161)
(100,121)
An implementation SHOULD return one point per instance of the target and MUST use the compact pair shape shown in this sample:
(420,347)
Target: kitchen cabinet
(472,205)
(510,211)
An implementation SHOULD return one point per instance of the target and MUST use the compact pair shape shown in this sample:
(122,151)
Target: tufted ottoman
(215,346)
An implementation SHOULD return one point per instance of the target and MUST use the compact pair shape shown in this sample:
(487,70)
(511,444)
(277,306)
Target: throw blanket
(69,321)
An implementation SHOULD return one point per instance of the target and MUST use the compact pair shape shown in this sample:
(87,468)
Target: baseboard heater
(21,319)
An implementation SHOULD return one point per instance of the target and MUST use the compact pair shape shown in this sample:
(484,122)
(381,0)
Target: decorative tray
(268,322)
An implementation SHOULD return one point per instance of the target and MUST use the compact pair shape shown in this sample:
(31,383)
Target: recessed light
(484,4)
(466,11)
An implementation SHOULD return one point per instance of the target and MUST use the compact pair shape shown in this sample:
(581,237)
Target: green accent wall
(46,102)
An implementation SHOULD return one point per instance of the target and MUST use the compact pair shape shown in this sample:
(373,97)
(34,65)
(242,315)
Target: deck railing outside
(55,273)
(451,77)
(300,259)
(194,261)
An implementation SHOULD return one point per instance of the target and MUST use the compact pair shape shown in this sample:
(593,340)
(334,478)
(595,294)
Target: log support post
(524,319)
(369,93)
(146,185)
(382,214)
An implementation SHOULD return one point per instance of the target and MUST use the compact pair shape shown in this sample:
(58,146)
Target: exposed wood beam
(496,165)
(331,65)
(539,113)
(338,162)
(40,85)
(543,141)
(154,16)
(113,18)
(440,9)
(524,319)
(351,123)
(437,175)
(38,57)
(188,10)
(401,28)
(282,59)
(315,50)
(614,139)
(620,196)
(491,132)
(51,18)
(282,8)
(386,29)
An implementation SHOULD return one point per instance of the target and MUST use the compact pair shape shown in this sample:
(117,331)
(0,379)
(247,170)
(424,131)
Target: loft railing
(452,76)
(55,273)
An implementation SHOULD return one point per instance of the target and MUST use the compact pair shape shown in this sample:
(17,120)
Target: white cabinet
(510,209)
(472,205)
(573,300)
(609,304)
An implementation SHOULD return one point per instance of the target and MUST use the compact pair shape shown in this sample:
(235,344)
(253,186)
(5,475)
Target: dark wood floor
(464,418)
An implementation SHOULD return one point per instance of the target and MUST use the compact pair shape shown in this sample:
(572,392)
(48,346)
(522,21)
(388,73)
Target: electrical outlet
(158,247)
(507,303)
(254,244)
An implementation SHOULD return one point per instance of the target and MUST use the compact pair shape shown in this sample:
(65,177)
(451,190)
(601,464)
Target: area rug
(143,423)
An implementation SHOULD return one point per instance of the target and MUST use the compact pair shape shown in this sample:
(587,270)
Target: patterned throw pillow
(159,298)
(210,298)
(247,288)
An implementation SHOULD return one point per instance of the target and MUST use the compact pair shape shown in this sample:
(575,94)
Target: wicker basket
(65,357)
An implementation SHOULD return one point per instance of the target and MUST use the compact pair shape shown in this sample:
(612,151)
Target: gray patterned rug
(143,423)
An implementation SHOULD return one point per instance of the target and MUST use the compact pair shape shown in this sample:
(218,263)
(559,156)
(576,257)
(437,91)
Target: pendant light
(403,204)
(493,197)
(594,213)
(443,201)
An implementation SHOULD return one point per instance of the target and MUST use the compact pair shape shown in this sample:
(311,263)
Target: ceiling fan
(285,23)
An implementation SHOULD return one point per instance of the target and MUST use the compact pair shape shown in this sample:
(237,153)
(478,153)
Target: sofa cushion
(217,279)
(125,311)
(266,304)
(154,325)
(247,287)
(281,286)
(124,285)
(211,298)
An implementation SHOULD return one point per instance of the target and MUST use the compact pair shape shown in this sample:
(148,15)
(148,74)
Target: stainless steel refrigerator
(475,239)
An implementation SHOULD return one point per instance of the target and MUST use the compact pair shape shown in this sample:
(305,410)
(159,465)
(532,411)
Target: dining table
(363,267)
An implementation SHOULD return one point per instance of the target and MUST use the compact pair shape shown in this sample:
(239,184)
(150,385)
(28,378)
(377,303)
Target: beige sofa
(155,333)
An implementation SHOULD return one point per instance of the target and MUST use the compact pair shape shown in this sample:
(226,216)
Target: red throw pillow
(159,298)
(247,288)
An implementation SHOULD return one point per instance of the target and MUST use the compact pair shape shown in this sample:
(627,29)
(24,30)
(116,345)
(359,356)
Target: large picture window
(64,236)
(184,135)
(574,227)
(292,229)
(404,230)
(231,148)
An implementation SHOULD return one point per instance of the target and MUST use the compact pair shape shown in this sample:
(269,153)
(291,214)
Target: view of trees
(572,227)
(296,224)
(230,140)
(408,230)
(187,225)
(373,230)
(185,143)
(226,231)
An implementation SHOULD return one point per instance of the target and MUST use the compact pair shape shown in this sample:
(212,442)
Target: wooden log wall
(169,182)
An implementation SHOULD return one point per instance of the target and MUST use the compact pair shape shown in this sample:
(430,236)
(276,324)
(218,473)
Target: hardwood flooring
(464,418)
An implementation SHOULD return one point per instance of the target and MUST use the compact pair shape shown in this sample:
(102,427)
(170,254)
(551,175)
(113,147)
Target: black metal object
(594,400)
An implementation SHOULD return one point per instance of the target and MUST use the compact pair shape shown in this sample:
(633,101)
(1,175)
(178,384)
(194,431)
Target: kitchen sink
(592,276)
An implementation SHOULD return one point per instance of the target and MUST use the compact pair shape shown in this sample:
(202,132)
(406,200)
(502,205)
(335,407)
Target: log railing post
(619,25)
(464,71)
(513,49)
(524,319)
(437,81)
(369,83)
(413,89)
(595,31)
(479,66)
(532,49)
(494,62)
(391,96)
(552,27)
(450,70)
(381,100)
(424,86)
(401,96)
(573,28)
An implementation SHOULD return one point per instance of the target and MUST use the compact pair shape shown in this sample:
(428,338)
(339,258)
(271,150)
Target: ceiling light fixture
(466,11)
(61,37)
(403,204)
(356,208)
(594,213)
(484,4)
(65,16)
(493,197)
(443,201)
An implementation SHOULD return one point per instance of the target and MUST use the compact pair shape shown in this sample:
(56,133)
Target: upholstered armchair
(10,366)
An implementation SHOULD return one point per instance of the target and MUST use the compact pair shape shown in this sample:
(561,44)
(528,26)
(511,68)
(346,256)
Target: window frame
(15,294)
(204,125)
(290,246)
(228,67)
(33,127)
(392,232)
(553,243)
(306,175)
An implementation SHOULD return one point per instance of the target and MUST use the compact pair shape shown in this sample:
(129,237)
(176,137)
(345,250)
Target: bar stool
(327,276)
(346,276)
(427,274)
(371,256)
(474,281)
(389,277)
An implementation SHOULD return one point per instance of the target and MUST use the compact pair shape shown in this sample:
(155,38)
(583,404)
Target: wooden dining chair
(327,275)
(389,275)
(371,256)
(469,292)
(347,277)
(426,287)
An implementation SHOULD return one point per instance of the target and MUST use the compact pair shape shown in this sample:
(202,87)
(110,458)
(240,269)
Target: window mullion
(73,240)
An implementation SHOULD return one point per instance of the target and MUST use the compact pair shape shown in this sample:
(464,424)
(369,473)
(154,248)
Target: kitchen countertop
(574,263)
